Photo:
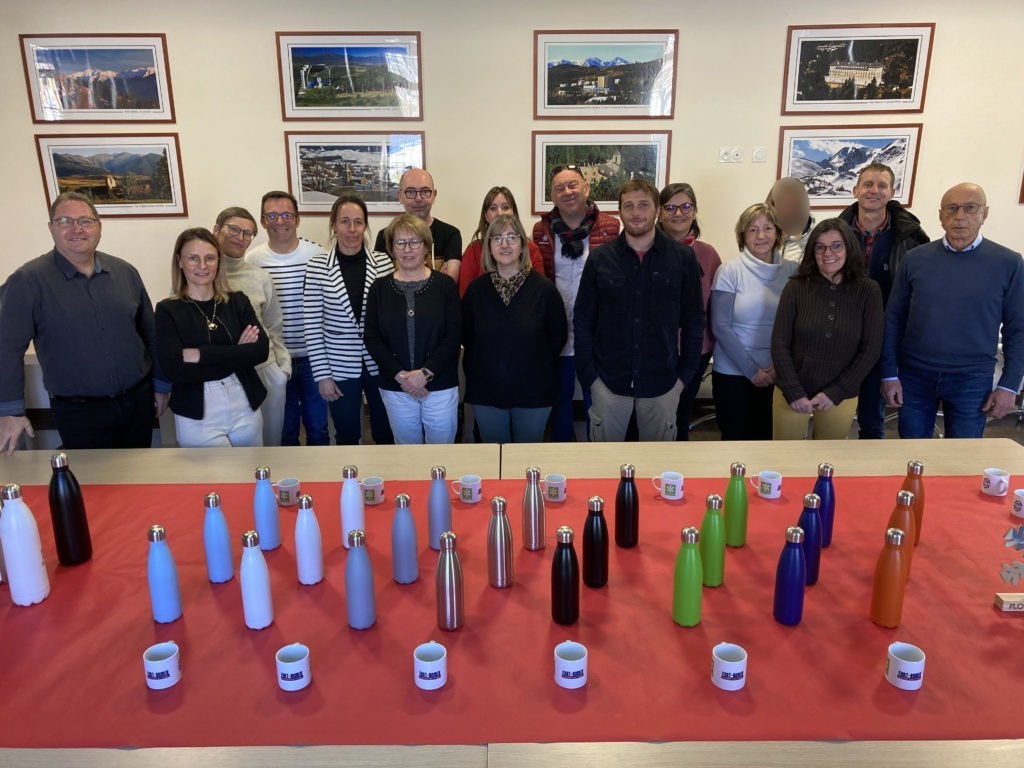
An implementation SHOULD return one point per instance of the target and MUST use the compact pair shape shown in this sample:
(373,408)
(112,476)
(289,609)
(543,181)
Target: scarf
(507,287)
(572,239)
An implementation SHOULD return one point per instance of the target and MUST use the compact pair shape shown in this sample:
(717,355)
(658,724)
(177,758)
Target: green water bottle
(686,593)
(736,506)
(712,542)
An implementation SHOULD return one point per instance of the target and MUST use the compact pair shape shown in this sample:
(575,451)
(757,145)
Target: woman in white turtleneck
(744,298)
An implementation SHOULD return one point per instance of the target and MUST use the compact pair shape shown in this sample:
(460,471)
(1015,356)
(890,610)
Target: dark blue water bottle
(825,491)
(595,544)
(790,579)
(810,522)
(565,580)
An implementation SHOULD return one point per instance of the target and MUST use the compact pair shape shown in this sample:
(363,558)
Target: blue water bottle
(163,578)
(264,510)
(359,600)
(220,567)
(405,564)
(825,491)
(439,508)
(810,522)
(790,579)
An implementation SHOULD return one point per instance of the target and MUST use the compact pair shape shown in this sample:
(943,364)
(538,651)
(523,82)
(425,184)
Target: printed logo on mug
(670,485)
(162,664)
(1018,503)
(468,488)
(570,664)
(995,481)
(554,487)
(728,666)
(430,666)
(288,491)
(768,484)
(904,666)
(373,490)
(293,671)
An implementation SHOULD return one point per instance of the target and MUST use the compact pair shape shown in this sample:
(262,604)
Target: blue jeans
(511,425)
(432,419)
(871,406)
(302,398)
(347,411)
(961,394)
(562,429)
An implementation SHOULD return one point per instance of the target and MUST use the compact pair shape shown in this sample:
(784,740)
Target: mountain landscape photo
(829,167)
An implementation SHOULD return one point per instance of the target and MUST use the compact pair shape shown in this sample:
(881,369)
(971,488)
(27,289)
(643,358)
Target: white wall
(477,70)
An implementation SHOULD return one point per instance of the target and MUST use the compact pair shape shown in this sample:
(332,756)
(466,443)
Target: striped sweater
(288,271)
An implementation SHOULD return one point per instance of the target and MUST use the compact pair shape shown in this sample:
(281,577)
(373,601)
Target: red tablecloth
(71,672)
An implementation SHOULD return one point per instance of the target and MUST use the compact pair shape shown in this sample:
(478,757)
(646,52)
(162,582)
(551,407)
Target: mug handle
(456,489)
(755,481)
(656,482)
(1002,485)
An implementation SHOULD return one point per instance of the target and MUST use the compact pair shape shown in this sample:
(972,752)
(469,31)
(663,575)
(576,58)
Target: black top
(182,323)
(353,272)
(447,241)
(511,352)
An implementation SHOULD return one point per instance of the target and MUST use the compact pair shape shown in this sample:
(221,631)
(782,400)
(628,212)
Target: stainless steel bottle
(533,511)
(450,603)
(500,571)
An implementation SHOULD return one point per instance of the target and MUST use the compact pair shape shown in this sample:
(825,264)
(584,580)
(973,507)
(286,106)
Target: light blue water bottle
(163,578)
(439,508)
(309,550)
(353,513)
(217,542)
(405,562)
(264,510)
(359,600)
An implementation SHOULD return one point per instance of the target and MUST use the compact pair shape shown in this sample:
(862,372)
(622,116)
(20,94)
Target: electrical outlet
(759,155)
(730,155)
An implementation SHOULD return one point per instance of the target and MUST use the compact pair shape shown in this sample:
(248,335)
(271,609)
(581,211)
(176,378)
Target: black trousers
(743,411)
(122,421)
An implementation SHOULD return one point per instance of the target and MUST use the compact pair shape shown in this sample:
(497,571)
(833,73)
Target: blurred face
(506,248)
(280,219)
(417,194)
(199,261)
(234,236)
(830,253)
(638,212)
(569,192)
(760,238)
(350,228)
(873,191)
(409,251)
(962,212)
(677,216)
(75,230)
(499,206)
(791,209)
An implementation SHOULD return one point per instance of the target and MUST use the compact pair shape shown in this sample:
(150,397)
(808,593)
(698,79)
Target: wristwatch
(429,374)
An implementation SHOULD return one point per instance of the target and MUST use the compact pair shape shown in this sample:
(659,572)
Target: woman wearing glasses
(498,201)
(413,331)
(209,342)
(513,330)
(827,336)
(678,220)
(333,320)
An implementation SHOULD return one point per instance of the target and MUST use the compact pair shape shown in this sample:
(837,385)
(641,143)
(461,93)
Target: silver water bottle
(533,511)
(500,571)
(450,603)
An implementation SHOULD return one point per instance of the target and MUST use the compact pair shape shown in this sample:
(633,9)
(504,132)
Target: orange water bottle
(914,482)
(889,584)
(902,517)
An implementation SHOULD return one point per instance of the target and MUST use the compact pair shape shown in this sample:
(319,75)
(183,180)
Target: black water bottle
(627,508)
(565,580)
(595,544)
(67,510)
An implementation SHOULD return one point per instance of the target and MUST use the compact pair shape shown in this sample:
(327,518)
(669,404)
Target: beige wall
(477,69)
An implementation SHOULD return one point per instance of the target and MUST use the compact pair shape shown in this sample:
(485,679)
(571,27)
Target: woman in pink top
(497,201)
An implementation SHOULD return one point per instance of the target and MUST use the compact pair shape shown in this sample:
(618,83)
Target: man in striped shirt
(284,256)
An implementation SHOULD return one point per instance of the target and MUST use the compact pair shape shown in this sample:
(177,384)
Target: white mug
(468,488)
(162,664)
(728,666)
(995,482)
(768,484)
(571,664)
(430,666)
(554,488)
(669,485)
(904,666)
(1018,503)
(293,672)
(373,490)
(288,490)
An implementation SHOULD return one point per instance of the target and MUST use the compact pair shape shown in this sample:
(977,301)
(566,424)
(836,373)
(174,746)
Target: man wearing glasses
(942,325)
(235,230)
(91,321)
(285,256)
(417,194)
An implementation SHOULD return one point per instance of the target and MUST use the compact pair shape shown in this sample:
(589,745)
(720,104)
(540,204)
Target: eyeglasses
(682,208)
(836,247)
(407,245)
(968,208)
(194,260)
(234,231)
(285,217)
(85,222)
(424,192)
(511,238)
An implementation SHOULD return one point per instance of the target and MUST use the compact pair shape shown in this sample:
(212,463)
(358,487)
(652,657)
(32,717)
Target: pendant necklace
(211,322)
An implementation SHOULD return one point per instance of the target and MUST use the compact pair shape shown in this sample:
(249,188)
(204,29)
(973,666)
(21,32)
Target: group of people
(812,322)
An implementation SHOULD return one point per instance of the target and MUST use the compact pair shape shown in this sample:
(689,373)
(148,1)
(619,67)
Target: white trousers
(227,419)
(272,409)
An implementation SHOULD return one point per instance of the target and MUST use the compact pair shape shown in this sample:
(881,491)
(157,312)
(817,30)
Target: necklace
(211,322)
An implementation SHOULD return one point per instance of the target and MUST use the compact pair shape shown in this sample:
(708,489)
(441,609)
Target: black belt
(103,398)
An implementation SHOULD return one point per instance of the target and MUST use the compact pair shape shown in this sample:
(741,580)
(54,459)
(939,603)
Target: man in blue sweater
(942,325)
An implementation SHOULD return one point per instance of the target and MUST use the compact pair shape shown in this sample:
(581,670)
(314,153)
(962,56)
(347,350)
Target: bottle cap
(915,468)
(794,534)
(690,535)
(349,471)
(894,536)
(533,473)
(305,501)
(402,501)
(262,473)
(905,498)
(250,539)
(437,473)
(812,501)
(211,500)
(59,460)
(713,501)
(564,535)
(627,470)
(11,491)
(826,470)
(447,540)
(498,505)
(357,538)
(155,533)
(595,504)
(738,469)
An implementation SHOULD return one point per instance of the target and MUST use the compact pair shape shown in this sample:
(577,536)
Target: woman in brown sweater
(826,338)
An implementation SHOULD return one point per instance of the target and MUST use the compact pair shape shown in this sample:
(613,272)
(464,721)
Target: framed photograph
(115,78)
(856,69)
(607,160)
(827,158)
(322,166)
(124,174)
(604,74)
(350,75)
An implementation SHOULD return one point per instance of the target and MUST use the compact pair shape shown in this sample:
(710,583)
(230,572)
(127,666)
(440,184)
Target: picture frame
(109,78)
(605,74)
(350,75)
(607,160)
(827,158)
(856,69)
(126,175)
(321,166)
(1021,200)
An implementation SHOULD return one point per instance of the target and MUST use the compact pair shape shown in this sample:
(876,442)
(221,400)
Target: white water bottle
(23,552)
(257,604)
(309,551)
(353,515)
